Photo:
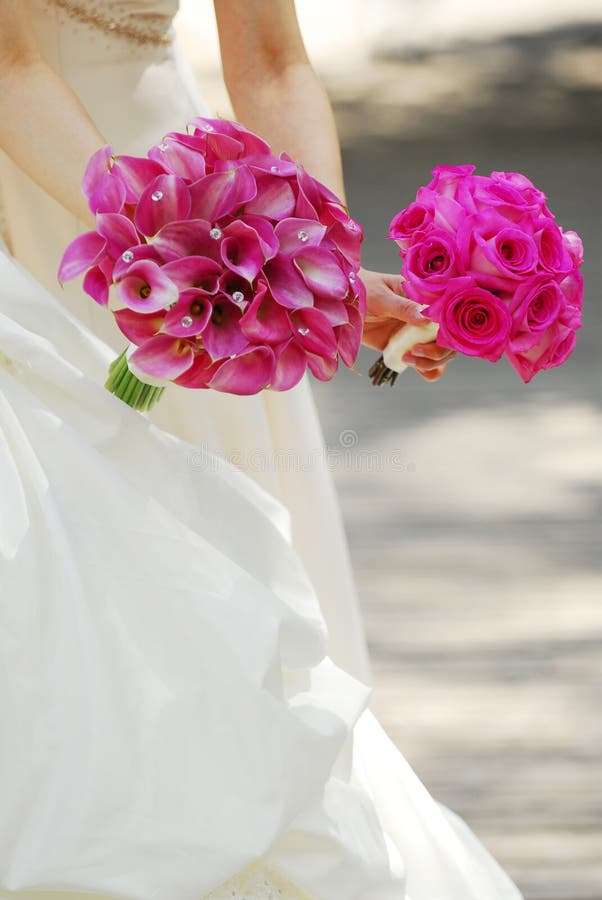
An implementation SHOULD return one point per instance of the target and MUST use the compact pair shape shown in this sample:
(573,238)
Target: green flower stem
(125,385)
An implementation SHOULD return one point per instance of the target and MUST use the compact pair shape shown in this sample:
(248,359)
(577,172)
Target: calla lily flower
(136,173)
(291,362)
(138,327)
(108,195)
(286,283)
(322,273)
(265,320)
(222,335)
(82,253)
(118,232)
(221,193)
(96,285)
(146,288)
(242,250)
(190,315)
(98,166)
(178,159)
(165,199)
(189,238)
(200,372)
(349,336)
(194,272)
(274,199)
(132,255)
(313,331)
(295,235)
(163,356)
(247,373)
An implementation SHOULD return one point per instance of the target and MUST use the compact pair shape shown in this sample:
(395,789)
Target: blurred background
(472,504)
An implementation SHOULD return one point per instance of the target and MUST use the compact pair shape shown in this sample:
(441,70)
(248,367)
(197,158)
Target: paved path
(473,512)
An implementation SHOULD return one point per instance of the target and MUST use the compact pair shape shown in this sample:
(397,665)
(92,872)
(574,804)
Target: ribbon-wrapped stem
(388,366)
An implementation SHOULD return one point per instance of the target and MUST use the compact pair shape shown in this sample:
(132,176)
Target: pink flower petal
(222,146)
(291,363)
(336,311)
(190,315)
(98,165)
(81,254)
(246,374)
(322,368)
(136,173)
(165,200)
(265,320)
(221,193)
(242,250)
(349,337)
(189,238)
(265,230)
(146,288)
(118,231)
(298,234)
(222,335)
(313,331)
(286,284)
(348,238)
(322,273)
(132,255)
(163,356)
(108,195)
(179,159)
(194,272)
(275,198)
(136,326)
(200,372)
(96,285)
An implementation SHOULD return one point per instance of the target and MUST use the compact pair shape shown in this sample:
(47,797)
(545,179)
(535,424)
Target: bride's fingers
(421,363)
(433,351)
(431,374)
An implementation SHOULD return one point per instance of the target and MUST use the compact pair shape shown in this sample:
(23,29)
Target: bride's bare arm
(273,87)
(43,126)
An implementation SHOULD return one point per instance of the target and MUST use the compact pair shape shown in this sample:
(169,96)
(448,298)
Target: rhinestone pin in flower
(226,267)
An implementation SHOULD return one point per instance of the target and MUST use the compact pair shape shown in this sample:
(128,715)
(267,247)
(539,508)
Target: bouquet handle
(389,365)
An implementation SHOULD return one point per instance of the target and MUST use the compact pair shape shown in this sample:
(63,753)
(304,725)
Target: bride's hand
(386,310)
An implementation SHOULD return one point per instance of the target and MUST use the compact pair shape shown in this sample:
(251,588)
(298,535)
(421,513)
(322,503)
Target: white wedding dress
(184,700)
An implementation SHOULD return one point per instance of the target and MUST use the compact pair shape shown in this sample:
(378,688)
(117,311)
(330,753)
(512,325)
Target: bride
(185,703)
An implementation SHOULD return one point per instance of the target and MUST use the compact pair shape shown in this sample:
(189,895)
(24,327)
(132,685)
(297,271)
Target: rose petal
(163,356)
(82,253)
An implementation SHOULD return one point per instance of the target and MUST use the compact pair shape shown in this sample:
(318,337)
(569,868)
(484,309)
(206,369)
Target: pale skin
(274,91)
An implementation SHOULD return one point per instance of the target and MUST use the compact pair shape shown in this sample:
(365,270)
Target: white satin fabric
(174,724)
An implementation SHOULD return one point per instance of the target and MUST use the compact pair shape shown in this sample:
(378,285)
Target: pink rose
(471,320)
(572,292)
(574,245)
(511,194)
(410,224)
(553,255)
(431,262)
(555,346)
(538,305)
(446,178)
(501,256)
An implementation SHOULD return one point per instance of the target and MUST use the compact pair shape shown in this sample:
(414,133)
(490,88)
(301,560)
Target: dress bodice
(141,21)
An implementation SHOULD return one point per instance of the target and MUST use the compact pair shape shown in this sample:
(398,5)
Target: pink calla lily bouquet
(492,269)
(224,266)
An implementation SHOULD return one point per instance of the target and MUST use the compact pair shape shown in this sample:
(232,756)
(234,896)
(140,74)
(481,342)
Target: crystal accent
(303,331)
(238,297)
(352,226)
(187,321)
(274,169)
(352,277)
(215,233)
(163,146)
(303,236)
(127,256)
(157,195)
(207,127)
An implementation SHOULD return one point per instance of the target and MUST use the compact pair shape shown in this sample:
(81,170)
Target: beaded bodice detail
(140,21)
(257,882)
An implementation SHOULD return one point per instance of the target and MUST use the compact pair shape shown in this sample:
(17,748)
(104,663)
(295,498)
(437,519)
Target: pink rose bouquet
(224,266)
(497,276)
